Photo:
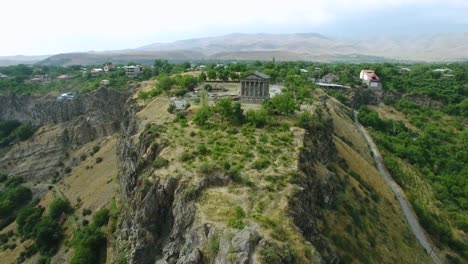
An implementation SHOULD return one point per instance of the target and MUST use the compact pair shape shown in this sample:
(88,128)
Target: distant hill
(303,46)
(20,59)
(144,57)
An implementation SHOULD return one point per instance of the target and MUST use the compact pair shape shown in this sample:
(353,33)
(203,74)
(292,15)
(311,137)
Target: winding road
(405,205)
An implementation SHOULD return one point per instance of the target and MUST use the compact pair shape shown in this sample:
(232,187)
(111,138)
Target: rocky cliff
(63,127)
(163,220)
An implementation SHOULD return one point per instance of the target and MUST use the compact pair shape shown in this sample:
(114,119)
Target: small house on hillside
(64,77)
(41,78)
(370,79)
(303,71)
(96,72)
(329,78)
(255,87)
(3,76)
(109,67)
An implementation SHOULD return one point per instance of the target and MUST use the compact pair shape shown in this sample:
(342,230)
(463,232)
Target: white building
(96,71)
(105,82)
(370,79)
(133,71)
(3,76)
(304,71)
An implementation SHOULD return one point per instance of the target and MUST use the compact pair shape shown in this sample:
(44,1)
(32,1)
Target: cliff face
(318,186)
(161,220)
(65,126)
(158,221)
(103,106)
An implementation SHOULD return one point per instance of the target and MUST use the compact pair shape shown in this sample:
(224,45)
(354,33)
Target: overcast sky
(33,27)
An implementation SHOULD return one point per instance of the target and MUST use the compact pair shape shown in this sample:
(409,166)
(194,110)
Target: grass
(364,222)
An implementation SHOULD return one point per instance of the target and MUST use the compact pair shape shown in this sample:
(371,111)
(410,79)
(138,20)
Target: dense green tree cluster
(13,196)
(439,152)
(90,241)
(45,230)
(12,130)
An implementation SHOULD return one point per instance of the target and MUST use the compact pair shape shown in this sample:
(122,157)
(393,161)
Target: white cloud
(30,26)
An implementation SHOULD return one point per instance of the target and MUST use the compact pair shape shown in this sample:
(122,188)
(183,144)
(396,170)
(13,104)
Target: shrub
(207,168)
(213,247)
(101,217)
(59,206)
(160,163)
(95,150)
(98,160)
(88,243)
(261,163)
(258,118)
(202,149)
(237,221)
(27,220)
(86,212)
(186,156)
(3,178)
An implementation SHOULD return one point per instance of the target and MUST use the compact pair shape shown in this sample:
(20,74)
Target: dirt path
(404,203)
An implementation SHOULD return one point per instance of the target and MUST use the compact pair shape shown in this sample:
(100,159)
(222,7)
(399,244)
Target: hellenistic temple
(255,87)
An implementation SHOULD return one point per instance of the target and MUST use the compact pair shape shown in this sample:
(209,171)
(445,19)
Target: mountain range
(447,47)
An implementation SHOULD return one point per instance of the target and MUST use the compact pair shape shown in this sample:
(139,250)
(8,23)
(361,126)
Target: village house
(255,87)
(371,79)
(2,76)
(443,70)
(105,82)
(303,71)
(133,71)
(329,78)
(201,67)
(96,72)
(109,67)
(64,77)
(42,78)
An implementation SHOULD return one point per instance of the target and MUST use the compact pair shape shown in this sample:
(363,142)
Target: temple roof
(258,74)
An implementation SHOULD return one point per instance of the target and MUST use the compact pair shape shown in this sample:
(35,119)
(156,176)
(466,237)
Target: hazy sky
(33,27)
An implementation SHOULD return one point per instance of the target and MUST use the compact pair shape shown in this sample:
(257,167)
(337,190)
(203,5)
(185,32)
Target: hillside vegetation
(290,180)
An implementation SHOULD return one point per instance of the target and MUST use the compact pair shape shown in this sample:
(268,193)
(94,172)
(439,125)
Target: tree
(224,108)
(58,207)
(212,74)
(234,76)
(282,104)
(48,236)
(165,83)
(223,75)
(27,220)
(202,77)
(202,116)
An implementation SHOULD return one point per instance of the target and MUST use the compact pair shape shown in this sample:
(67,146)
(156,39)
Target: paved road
(405,205)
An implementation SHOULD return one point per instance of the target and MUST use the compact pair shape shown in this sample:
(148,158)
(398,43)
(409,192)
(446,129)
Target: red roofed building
(370,78)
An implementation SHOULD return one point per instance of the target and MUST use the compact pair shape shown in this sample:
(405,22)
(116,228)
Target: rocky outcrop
(158,221)
(316,190)
(103,106)
(422,100)
(67,124)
